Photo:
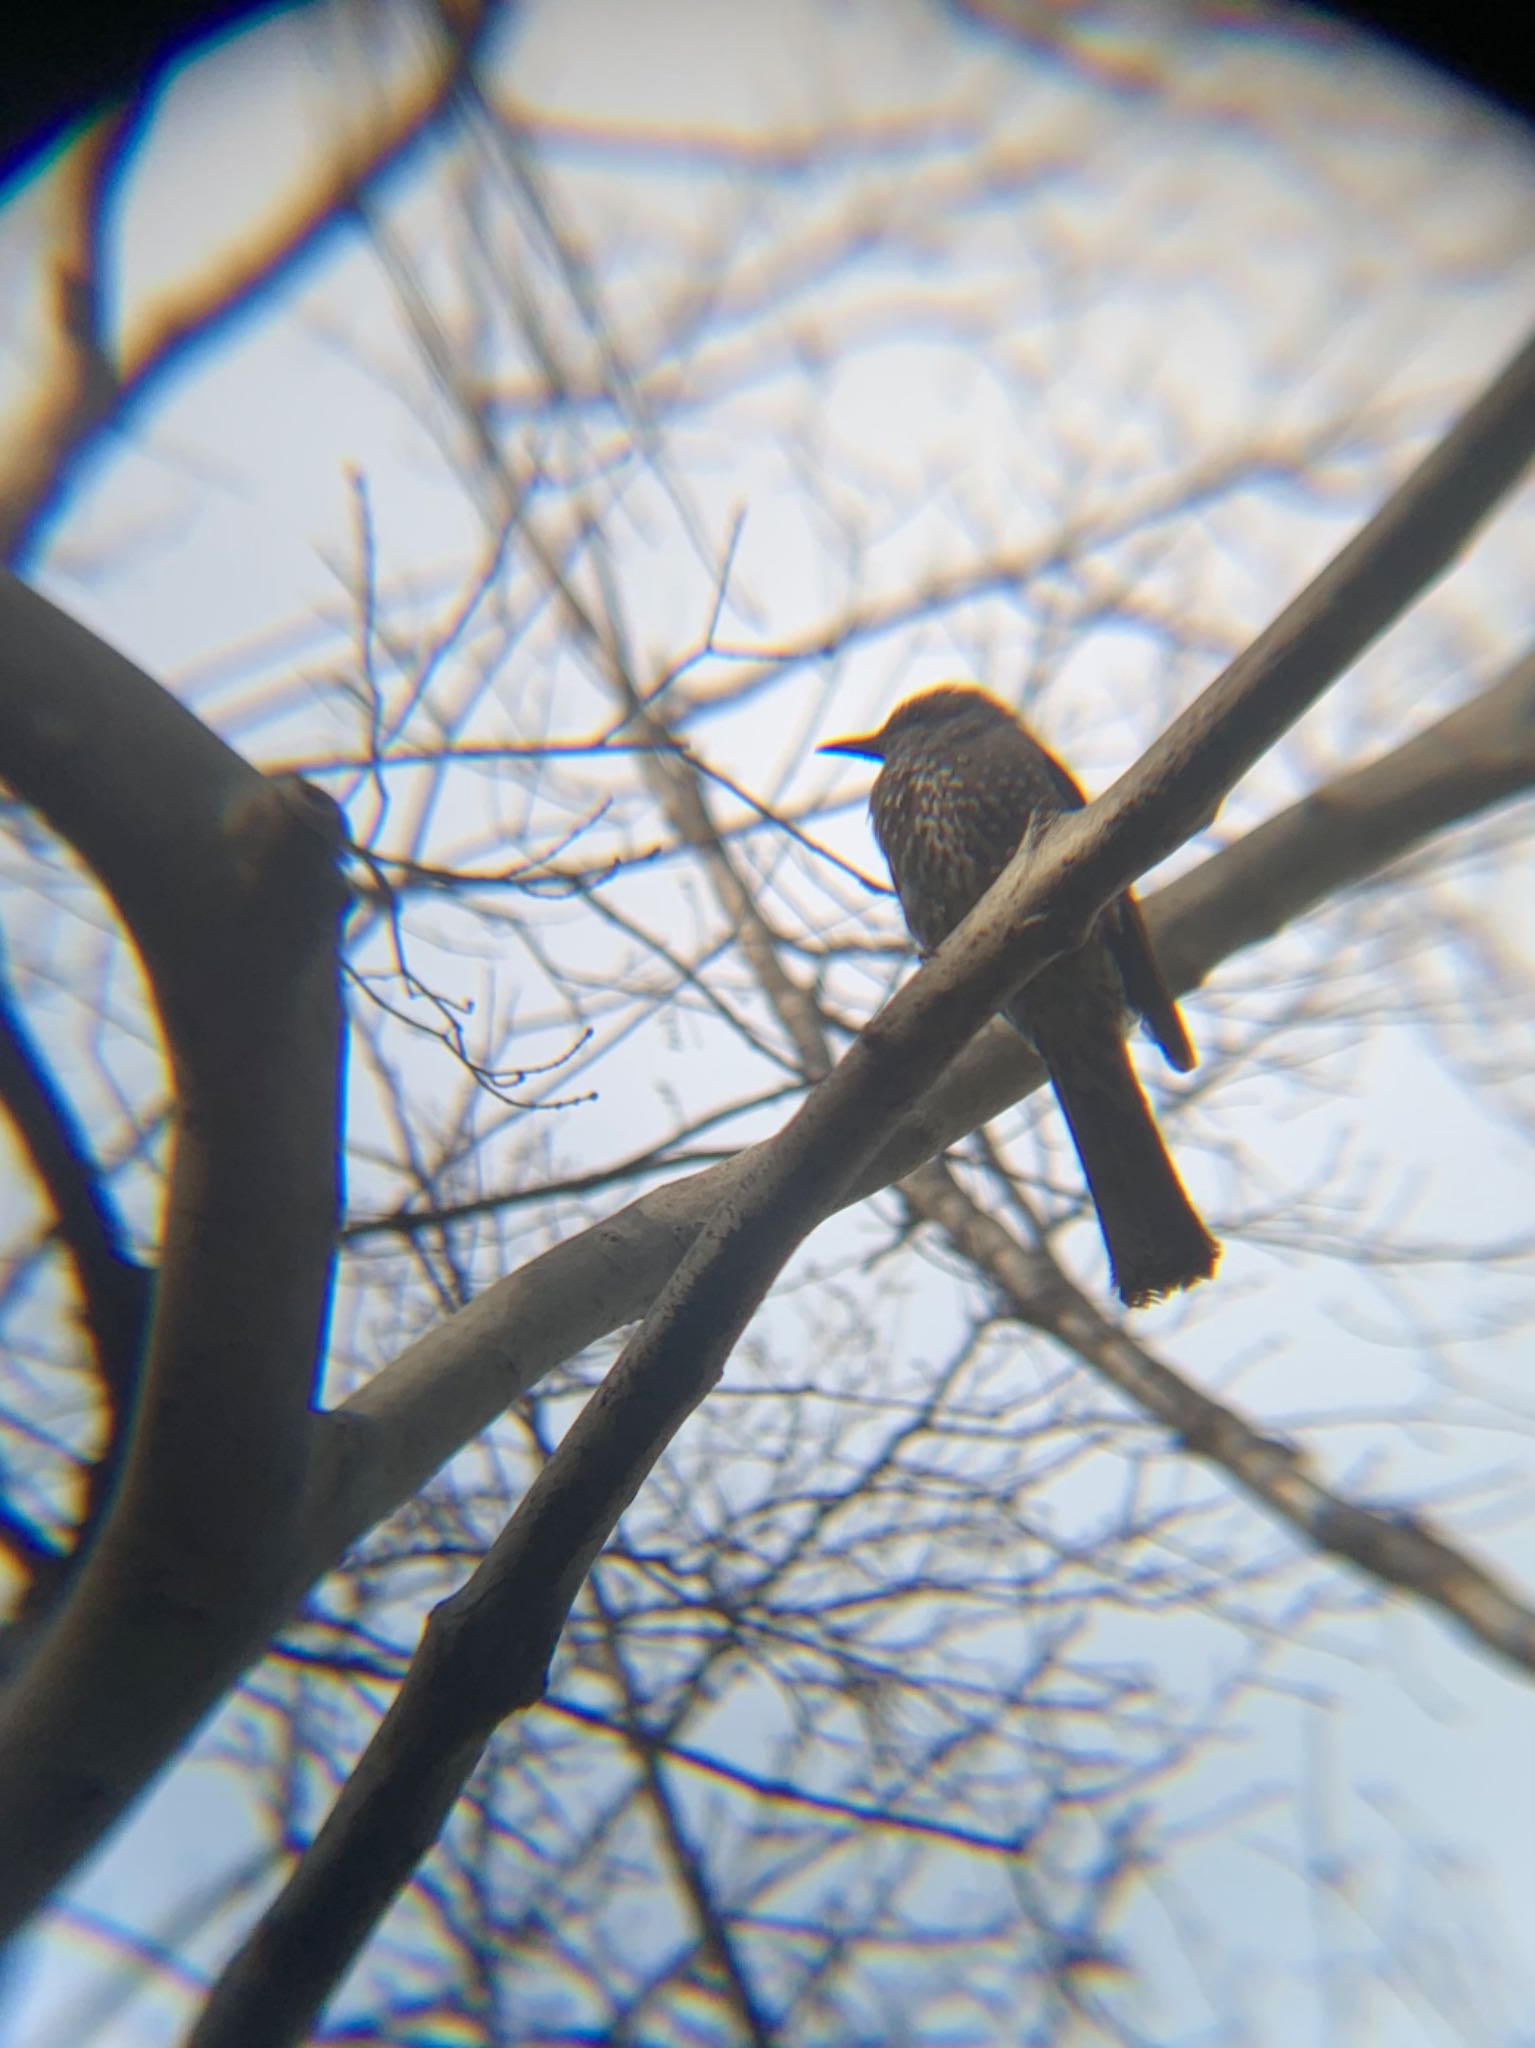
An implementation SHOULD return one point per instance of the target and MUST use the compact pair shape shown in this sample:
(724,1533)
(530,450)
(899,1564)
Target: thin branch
(114,1287)
(716,1936)
(115,1293)
(1392,1546)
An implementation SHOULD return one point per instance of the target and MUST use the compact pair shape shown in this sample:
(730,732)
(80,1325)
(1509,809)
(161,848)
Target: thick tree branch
(486,1650)
(1476,757)
(228,885)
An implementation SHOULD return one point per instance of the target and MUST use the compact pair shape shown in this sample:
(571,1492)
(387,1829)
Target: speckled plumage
(961,785)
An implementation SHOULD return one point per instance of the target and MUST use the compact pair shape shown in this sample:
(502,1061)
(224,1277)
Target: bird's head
(949,711)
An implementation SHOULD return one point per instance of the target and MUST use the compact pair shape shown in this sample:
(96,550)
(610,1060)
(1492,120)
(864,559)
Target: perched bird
(961,785)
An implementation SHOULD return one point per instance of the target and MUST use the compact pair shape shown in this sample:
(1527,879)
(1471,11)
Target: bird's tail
(1156,1241)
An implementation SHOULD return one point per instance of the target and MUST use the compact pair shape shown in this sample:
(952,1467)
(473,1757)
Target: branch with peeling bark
(486,1650)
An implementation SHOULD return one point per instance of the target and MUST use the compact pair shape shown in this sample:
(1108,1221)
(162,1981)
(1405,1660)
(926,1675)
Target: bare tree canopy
(571,1467)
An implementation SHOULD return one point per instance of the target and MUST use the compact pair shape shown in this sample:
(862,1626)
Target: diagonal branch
(1474,758)
(486,1650)
(1397,1548)
(114,1289)
(719,1949)
(391,1436)
(87,385)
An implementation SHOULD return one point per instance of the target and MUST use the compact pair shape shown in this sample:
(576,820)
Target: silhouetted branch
(486,1650)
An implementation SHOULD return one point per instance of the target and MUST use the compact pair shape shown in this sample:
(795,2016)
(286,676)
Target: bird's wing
(1145,990)
(1130,943)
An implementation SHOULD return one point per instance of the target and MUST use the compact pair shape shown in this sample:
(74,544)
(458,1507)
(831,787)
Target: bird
(962,783)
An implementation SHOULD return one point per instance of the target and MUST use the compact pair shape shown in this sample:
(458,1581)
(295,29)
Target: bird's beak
(869,746)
